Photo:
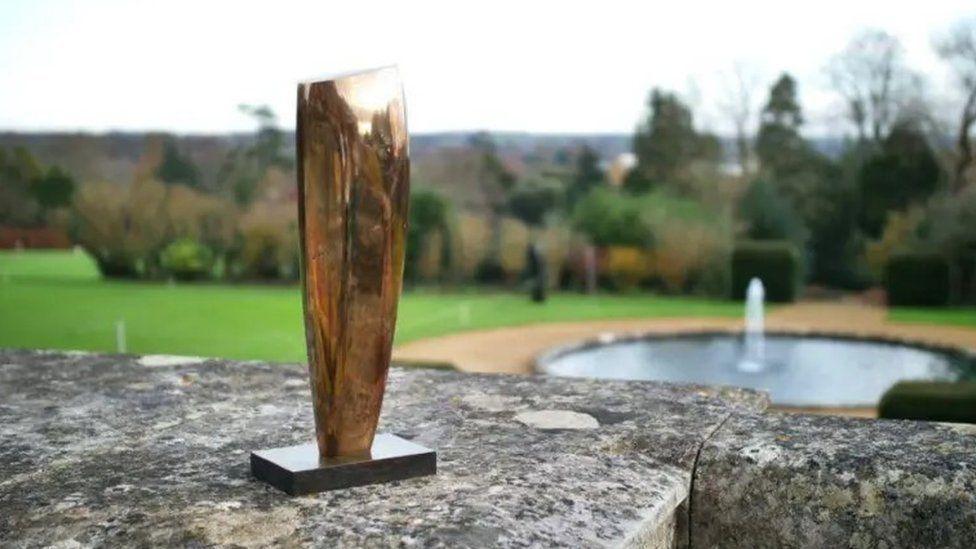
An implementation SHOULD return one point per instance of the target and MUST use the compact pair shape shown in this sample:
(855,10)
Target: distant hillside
(118,156)
(606,145)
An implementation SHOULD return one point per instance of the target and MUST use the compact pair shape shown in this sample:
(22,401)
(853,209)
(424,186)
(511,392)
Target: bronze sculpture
(353,191)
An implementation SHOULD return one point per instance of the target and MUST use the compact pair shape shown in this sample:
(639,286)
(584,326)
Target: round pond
(797,370)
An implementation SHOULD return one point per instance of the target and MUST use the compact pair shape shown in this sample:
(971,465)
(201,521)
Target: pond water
(795,371)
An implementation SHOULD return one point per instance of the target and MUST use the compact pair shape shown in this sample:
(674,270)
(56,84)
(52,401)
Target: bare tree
(877,87)
(738,103)
(958,48)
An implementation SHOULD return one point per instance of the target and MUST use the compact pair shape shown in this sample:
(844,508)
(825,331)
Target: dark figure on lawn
(535,271)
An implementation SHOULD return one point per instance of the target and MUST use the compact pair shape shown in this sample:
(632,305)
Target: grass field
(56,300)
(949,316)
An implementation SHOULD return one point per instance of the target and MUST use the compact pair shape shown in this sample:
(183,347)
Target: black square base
(297,470)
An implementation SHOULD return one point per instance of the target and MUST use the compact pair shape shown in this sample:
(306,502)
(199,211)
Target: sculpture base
(297,470)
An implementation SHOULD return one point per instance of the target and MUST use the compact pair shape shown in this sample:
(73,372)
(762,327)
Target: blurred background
(594,163)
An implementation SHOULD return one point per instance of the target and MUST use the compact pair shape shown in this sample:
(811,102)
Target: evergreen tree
(903,173)
(666,144)
(429,215)
(176,168)
(28,190)
(812,186)
(54,188)
(18,205)
(247,164)
(588,175)
(531,200)
(779,146)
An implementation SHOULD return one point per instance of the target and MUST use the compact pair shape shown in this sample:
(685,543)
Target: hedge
(775,262)
(917,279)
(930,401)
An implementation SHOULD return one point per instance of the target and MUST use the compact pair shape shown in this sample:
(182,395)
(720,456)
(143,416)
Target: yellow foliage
(429,266)
(270,234)
(555,243)
(203,217)
(682,250)
(515,243)
(898,231)
(125,221)
(471,242)
(627,266)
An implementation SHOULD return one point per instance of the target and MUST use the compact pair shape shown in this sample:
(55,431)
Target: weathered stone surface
(120,450)
(778,480)
(557,419)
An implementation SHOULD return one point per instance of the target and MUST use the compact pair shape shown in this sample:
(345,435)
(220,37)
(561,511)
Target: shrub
(917,279)
(672,242)
(627,267)
(899,234)
(609,218)
(930,401)
(514,239)
(269,252)
(187,259)
(489,271)
(268,247)
(469,242)
(122,226)
(428,220)
(775,262)
(684,252)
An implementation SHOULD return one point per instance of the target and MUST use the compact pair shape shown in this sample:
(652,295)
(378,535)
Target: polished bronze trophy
(353,191)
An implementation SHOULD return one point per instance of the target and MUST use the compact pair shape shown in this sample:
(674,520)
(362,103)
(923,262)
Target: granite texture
(779,480)
(145,451)
(122,450)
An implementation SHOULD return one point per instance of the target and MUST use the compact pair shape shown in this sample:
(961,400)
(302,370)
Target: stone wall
(775,479)
(123,450)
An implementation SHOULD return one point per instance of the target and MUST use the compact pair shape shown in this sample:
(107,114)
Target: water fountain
(754,357)
(807,370)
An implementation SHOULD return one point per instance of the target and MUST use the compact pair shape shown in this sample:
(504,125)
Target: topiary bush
(187,259)
(917,279)
(930,401)
(775,262)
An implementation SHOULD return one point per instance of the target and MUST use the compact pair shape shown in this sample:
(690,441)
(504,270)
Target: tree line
(903,181)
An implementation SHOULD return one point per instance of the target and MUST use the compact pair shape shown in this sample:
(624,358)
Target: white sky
(525,65)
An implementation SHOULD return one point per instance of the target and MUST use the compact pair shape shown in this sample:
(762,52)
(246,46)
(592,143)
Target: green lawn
(950,316)
(56,265)
(56,300)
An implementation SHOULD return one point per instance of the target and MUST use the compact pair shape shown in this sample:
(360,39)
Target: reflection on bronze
(353,185)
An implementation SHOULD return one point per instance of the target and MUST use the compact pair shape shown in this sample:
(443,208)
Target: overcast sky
(184,66)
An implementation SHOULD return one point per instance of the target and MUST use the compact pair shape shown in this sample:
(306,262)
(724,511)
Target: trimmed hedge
(917,279)
(775,262)
(930,401)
